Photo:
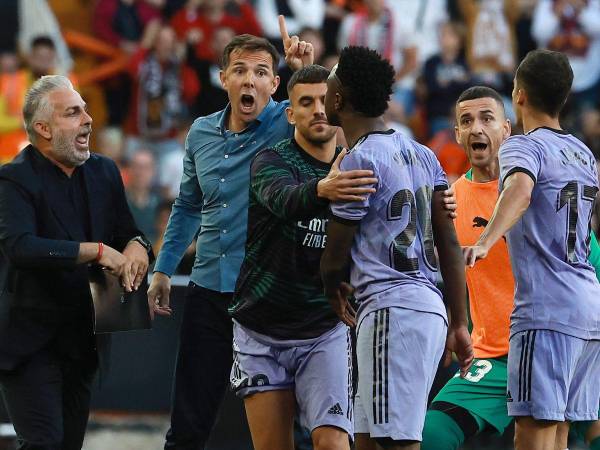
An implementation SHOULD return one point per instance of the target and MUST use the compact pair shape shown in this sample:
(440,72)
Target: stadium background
(148,68)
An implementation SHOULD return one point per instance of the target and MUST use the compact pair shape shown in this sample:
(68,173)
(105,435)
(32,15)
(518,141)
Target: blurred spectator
(335,11)
(525,41)
(171,7)
(163,86)
(591,130)
(198,20)
(109,142)
(446,75)
(491,41)
(451,156)
(122,22)
(143,202)
(42,58)
(37,19)
(298,14)
(14,83)
(573,27)
(9,11)
(212,96)
(422,19)
(378,26)
(170,170)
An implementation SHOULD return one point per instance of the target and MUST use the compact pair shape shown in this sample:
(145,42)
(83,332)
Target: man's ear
(276,81)
(43,129)
(223,79)
(521,97)
(289,112)
(506,129)
(338,103)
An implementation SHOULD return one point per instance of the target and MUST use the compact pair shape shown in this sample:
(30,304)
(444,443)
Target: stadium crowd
(148,68)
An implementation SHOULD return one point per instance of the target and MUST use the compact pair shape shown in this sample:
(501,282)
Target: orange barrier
(117,60)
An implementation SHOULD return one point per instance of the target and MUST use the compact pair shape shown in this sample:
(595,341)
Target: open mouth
(83,138)
(479,146)
(247,102)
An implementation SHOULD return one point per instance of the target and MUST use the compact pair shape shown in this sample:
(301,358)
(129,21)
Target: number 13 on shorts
(477,371)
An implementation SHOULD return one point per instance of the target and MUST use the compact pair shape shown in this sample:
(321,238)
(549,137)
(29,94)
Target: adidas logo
(336,409)
(508,397)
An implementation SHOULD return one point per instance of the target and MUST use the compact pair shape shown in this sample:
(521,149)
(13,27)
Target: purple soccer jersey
(393,258)
(555,286)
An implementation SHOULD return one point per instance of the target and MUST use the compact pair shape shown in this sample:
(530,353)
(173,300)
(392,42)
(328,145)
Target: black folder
(117,310)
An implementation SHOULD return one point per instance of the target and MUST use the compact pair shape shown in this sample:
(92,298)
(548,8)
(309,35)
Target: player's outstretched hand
(342,307)
(298,54)
(473,254)
(458,341)
(450,205)
(346,186)
(159,295)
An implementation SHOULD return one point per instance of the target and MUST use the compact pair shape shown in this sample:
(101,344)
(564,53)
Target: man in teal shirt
(213,204)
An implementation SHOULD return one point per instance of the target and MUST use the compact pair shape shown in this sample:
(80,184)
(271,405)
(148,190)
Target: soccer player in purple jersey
(389,238)
(549,181)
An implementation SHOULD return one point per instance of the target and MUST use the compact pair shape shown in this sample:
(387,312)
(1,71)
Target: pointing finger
(283,30)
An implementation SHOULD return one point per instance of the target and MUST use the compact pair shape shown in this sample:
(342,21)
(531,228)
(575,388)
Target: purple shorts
(318,370)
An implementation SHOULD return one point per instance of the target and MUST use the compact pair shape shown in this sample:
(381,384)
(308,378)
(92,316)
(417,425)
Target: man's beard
(320,138)
(64,148)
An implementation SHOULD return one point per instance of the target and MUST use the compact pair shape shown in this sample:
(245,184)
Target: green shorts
(482,392)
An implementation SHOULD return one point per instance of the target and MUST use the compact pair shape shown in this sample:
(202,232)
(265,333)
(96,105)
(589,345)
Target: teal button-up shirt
(213,197)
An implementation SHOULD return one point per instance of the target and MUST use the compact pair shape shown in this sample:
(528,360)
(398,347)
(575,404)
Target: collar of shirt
(50,167)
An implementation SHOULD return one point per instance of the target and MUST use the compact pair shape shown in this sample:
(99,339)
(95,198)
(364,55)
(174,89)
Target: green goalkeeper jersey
(279,291)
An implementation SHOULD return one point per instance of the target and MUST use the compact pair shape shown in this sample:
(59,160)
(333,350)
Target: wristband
(100,251)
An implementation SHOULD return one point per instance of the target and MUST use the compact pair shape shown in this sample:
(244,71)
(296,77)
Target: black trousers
(203,368)
(48,401)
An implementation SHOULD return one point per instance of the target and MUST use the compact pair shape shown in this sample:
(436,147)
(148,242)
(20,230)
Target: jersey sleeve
(274,186)
(440,181)
(353,212)
(519,154)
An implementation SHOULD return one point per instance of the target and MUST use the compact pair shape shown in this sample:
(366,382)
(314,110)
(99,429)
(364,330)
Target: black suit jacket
(42,289)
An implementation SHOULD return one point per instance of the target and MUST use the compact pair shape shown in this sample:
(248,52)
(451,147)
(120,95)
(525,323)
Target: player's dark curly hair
(367,78)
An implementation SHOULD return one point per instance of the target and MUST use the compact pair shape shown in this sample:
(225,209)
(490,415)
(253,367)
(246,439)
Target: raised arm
(276,188)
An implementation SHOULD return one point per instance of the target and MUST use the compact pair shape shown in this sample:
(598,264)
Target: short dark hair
(368,79)
(475,92)
(312,74)
(43,41)
(251,43)
(546,77)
